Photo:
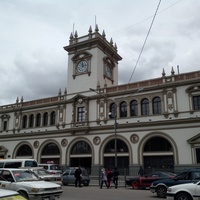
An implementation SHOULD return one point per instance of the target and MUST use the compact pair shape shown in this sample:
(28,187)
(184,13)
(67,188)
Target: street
(95,193)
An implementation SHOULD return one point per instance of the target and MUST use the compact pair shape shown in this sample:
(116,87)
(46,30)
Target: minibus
(18,163)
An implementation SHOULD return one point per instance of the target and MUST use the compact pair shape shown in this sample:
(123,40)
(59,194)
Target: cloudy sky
(33,33)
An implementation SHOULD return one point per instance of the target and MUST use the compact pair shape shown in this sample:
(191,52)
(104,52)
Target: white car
(45,175)
(28,184)
(187,191)
(10,195)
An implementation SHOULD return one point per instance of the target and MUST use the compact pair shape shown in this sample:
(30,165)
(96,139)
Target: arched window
(123,109)
(134,108)
(113,110)
(51,149)
(45,119)
(121,146)
(53,118)
(38,120)
(157,144)
(157,105)
(145,106)
(24,150)
(24,121)
(81,147)
(31,121)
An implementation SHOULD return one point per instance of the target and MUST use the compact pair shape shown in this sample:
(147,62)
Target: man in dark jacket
(78,176)
(115,177)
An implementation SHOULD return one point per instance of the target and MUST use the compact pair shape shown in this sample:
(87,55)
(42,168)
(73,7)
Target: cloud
(33,63)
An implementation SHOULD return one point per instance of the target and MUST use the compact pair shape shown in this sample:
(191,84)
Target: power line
(145,19)
(145,41)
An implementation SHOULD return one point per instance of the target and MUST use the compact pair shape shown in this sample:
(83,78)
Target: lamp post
(115,124)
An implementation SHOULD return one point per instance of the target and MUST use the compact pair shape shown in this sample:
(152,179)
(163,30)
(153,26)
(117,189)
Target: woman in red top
(109,177)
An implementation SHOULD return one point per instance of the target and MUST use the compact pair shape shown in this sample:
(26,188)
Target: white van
(52,168)
(17,163)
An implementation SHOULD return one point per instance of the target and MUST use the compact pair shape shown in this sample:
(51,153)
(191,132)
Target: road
(95,193)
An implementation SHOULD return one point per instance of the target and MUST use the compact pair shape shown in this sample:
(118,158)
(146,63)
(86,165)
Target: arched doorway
(122,155)
(81,155)
(158,155)
(24,151)
(50,152)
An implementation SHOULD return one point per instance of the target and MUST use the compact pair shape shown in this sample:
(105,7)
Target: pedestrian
(78,176)
(141,171)
(109,177)
(115,177)
(103,178)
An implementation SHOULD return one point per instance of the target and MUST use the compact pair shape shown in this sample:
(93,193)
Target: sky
(33,63)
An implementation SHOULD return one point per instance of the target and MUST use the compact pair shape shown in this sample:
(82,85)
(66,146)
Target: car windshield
(55,167)
(24,176)
(42,172)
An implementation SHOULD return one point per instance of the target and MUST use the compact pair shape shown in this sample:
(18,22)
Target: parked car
(45,175)
(68,177)
(188,191)
(10,195)
(160,186)
(52,168)
(143,182)
(28,185)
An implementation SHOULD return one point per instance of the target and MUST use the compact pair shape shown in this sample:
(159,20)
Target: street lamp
(115,124)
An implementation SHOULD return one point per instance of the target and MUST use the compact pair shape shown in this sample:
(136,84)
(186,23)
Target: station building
(95,122)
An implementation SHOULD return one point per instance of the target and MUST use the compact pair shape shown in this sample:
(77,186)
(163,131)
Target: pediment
(3,150)
(194,140)
(193,88)
(81,56)
(78,97)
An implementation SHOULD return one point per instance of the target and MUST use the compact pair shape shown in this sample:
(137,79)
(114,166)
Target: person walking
(109,177)
(115,177)
(103,178)
(141,171)
(78,174)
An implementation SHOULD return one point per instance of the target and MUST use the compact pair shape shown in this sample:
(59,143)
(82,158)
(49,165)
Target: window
(53,118)
(196,102)
(31,120)
(24,150)
(51,149)
(123,109)
(81,114)
(198,155)
(156,144)
(134,108)
(45,119)
(81,147)
(157,105)
(24,121)
(38,120)
(121,146)
(145,107)
(5,123)
(113,110)
(13,164)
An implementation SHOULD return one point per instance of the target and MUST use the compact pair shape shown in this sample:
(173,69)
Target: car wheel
(135,185)
(24,194)
(161,191)
(86,184)
(65,183)
(183,196)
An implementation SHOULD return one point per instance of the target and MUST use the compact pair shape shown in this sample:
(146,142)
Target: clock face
(108,71)
(82,66)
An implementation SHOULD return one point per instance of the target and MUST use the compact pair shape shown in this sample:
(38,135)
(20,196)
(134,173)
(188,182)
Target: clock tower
(92,62)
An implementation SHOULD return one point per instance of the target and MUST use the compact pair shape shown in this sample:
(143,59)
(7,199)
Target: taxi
(10,195)
(28,184)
